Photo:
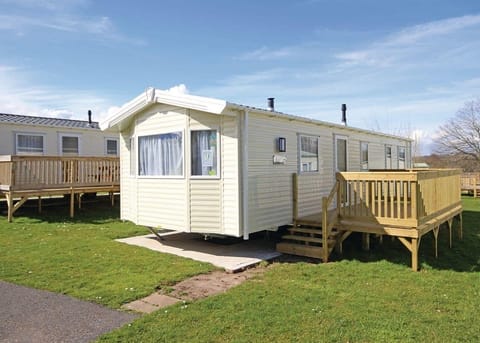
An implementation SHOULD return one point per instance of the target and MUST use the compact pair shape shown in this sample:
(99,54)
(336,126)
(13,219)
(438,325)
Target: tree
(459,138)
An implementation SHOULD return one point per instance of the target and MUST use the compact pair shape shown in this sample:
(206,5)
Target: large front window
(30,144)
(161,155)
(308,154)
(204,153)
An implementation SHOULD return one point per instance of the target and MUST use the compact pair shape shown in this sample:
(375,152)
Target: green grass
(79,256)
(363,297)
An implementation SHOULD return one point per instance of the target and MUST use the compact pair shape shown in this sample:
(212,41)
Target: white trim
(245,174)
(60,135)
(26,133)
(132,173)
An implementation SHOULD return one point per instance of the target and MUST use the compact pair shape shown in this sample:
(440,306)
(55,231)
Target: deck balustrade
(23,177)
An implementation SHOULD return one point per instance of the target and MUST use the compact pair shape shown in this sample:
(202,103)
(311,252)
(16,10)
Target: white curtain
(204,152)
(30,143)
(160,154)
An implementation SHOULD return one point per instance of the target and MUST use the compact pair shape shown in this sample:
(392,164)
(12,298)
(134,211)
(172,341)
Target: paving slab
(31,315)
(231,257)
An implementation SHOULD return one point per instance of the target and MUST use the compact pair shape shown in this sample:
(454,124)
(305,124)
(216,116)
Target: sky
(402,66)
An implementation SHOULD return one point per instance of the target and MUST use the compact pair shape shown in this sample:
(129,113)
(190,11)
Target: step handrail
(328,223)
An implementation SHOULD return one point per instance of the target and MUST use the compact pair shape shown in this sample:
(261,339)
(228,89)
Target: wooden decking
(406,205)
(24,177)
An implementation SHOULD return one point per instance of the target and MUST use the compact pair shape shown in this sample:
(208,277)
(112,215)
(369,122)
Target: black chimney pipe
(89,117)
(344,114)
(271,104)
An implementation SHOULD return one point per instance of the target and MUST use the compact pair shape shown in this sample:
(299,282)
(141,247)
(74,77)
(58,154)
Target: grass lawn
(79,256)
(363,297)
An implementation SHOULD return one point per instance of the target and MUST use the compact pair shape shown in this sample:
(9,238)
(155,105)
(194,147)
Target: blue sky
(402,67)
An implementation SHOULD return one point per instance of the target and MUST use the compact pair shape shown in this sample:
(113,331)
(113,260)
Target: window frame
(363,163)
(299,152)
(336,138)
(38,134)
(60,143)
(137,156)
(116,140)
(219,170)
(388,146)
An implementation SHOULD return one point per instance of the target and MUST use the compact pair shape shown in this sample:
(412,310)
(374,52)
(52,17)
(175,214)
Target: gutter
(244,162)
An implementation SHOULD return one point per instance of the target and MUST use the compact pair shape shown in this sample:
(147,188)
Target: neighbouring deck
(471,183)
(402,204)
(24,177)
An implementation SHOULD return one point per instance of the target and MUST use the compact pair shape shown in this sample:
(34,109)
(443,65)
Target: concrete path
(30,315)
(231,257)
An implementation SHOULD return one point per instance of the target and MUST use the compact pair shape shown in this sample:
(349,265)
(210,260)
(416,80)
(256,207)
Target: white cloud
(19,95)
(178,89)
(410,41)
(60,16)
(264,53)
(432,29)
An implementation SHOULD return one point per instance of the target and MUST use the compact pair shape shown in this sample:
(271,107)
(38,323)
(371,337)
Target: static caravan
(42,136)
(204,165)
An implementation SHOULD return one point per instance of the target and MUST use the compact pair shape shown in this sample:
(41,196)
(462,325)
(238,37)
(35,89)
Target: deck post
(39,204)
(460,228)
(450,226)
(295,199)
(9,197)
(435,231)
(365,241)
(72,202)
(415,244)
(325,229)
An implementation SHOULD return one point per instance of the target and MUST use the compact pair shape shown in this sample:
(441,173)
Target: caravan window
(401,157)
(308,154)
(29,144)
(161,155)
(111,146)
(69,144)
(364,155)
(205,153)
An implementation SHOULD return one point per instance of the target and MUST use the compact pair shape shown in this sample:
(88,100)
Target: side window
(364,155)
(401,157)
(308,154)
(111,146)
(161,155)
(388,157)
(204,153)
(70,145)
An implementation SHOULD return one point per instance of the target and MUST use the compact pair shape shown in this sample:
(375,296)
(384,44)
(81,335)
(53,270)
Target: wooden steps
(306,241)
(300,250)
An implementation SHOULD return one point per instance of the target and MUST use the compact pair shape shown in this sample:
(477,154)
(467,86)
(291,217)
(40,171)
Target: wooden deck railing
(49,172)
(399,198)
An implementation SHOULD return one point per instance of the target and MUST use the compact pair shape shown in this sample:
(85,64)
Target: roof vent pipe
(344,114)
(271,104)
(90,117)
